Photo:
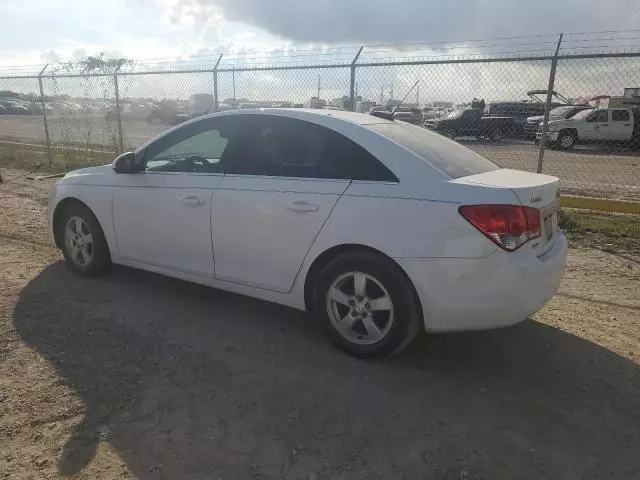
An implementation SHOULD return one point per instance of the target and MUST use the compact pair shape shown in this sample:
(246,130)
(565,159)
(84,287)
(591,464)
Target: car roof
(306,114)
(405,164)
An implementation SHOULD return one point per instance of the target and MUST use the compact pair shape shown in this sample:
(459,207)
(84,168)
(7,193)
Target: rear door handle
(300,206)
(192,200)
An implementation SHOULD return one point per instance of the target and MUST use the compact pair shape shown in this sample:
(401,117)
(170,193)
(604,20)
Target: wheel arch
(569,130)
(323,259)
(57,216)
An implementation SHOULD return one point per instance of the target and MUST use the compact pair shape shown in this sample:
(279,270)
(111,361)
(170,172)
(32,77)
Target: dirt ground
(137,376)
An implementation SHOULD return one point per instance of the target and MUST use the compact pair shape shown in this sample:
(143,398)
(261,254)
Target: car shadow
(191,382)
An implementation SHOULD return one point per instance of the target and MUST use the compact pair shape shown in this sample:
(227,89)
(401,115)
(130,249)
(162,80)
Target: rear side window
(361,164)
(270,145)
(446,155)
(620,116)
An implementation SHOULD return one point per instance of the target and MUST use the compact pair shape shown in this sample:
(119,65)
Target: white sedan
(379,228)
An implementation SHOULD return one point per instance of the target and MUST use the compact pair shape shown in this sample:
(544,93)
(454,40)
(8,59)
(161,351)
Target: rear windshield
(449,156)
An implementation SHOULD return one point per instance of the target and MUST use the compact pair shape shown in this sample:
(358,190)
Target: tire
(566,140)
(448,132)
(84,246)
(497,135)
(371,329)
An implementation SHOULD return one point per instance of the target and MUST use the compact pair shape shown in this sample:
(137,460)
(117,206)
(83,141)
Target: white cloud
(43,30)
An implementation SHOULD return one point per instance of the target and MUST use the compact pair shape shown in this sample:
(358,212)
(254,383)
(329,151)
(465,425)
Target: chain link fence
(563,107)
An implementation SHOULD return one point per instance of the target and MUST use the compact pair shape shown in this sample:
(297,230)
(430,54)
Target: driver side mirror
(126,163)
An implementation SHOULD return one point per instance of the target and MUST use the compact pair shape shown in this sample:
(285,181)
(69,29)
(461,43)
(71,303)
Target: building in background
(315,102)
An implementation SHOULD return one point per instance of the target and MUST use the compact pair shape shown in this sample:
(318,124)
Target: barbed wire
(597,42)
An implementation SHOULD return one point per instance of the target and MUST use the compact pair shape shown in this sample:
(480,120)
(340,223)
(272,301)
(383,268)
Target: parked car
(167,112)
(520,111)
(14,108)
(602,125)
(35,108)
(378,228)
(409,115)
(379,108)
(558,113)
(471,123)
(404,116)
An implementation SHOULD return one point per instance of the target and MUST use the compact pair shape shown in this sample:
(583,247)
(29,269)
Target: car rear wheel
(366,305)
(84,247)
(497,135)
(566,140)
(448,132)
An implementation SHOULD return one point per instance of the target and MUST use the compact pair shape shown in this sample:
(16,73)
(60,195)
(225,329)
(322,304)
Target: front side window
(620,116)
(196,149)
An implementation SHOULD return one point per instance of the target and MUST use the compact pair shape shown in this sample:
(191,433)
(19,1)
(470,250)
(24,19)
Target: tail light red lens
(509,226)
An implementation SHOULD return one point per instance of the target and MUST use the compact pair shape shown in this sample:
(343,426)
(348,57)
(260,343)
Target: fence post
(118,116)
(44,117)
(215,84)
(547,107)
(352,90)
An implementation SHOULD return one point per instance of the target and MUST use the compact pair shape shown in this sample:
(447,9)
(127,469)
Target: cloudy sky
(37,31)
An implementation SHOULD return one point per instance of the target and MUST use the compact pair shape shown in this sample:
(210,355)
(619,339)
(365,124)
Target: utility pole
(547,108)
(233,76)
(352,88)
(391,92)
(418,96)
(319,87)
(381,94)
(215,84)
(44,117)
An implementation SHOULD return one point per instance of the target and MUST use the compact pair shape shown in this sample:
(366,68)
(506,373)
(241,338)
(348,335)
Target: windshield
(562,112)
(455,114)
(444,154)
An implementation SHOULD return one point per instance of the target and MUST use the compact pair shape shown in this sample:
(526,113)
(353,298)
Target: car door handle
(300,206)
(627,124)
(192,200)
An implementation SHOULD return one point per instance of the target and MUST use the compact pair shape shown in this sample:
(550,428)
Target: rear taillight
(509,226)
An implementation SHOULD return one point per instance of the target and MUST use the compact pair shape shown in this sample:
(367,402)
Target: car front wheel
(566,140)
(448,132)
(85,248)
(497,135)
(366,304)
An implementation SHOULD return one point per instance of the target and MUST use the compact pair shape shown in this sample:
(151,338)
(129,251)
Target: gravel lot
(602,172)
(134,375)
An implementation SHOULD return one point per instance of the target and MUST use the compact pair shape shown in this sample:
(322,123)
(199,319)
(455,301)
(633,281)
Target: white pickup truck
(601,125)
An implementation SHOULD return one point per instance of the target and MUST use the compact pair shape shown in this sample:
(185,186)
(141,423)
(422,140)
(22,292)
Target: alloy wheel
(360,308)
(79,241)
(566,141)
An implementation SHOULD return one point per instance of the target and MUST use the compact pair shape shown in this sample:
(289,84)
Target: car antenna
(405,97)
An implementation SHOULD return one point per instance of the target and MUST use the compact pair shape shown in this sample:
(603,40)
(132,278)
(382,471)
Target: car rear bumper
(481,293)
